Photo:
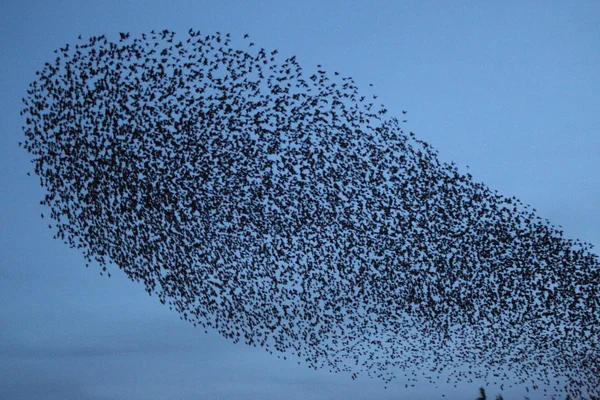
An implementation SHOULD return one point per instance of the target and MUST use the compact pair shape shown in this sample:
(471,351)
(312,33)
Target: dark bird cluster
(286,210)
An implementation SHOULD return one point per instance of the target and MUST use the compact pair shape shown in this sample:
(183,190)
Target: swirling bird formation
(286,210)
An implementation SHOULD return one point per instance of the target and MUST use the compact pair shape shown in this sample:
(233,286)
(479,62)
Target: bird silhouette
(289,213)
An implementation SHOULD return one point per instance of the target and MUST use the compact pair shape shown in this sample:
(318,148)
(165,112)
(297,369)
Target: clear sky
(511,89)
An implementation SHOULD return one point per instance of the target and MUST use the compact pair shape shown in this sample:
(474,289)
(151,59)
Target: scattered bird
(291,214)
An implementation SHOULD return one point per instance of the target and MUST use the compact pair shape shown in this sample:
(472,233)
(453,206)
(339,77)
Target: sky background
(511,89)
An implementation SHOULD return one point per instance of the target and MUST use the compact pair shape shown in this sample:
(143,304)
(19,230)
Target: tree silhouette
(482,395)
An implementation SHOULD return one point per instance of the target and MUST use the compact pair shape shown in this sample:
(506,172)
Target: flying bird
(294,215)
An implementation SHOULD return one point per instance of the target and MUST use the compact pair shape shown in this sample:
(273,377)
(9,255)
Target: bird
(296,215)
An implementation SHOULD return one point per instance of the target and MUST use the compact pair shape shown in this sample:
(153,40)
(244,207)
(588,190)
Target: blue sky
(510,89)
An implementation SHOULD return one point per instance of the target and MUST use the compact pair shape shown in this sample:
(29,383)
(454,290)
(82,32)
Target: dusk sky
(509,89)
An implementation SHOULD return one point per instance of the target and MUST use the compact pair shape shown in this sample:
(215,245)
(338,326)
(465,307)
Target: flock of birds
(285,209)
